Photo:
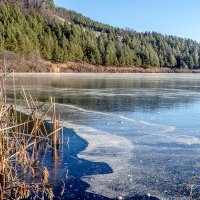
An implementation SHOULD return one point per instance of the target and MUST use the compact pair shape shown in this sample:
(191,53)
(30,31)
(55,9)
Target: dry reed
(20,138)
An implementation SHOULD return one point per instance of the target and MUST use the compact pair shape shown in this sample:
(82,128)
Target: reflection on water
(157,113)
(115,92)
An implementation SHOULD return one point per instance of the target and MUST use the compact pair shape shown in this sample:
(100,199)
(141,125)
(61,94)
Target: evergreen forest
(61,35)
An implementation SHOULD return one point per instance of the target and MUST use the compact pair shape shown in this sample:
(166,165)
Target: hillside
(62,36)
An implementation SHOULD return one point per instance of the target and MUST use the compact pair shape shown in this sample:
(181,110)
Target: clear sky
(172,17)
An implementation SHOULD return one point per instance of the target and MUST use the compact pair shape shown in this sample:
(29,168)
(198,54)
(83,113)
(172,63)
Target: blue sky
(172,17)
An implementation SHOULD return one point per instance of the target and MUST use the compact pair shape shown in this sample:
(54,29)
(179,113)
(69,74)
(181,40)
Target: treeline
(147,49)
(81,39)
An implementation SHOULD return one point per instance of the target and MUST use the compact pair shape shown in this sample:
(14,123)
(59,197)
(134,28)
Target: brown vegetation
(34,63)
(20,139)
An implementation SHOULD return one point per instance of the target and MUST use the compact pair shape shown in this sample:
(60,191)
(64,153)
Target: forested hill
(60,35)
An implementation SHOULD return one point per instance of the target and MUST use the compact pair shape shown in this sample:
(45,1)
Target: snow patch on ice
(105,147)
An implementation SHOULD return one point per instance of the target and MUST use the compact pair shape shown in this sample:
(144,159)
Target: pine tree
(101,42)
(171,60)
(110,57)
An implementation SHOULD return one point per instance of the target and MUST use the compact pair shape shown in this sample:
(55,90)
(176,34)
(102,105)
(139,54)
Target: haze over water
(152,120)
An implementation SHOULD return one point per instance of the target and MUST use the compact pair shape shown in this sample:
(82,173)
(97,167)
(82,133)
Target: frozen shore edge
(107,148)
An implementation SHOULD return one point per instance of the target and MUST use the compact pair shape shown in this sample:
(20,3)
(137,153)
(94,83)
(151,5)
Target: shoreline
(81,185)
(104,148)
(110,150)
(70,165)
(92,158)
(96,163)
(42,66)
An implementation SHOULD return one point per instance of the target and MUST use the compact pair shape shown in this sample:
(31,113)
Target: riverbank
(72,67)
(35,64)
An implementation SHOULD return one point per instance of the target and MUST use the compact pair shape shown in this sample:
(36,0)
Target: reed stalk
(21,137)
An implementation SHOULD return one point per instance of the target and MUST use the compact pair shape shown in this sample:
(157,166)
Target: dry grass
(20,138)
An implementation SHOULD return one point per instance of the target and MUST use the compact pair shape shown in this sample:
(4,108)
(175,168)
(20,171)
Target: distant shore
(87,68)
(82,67)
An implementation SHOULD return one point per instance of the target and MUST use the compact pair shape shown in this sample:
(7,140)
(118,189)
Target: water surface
(146,126)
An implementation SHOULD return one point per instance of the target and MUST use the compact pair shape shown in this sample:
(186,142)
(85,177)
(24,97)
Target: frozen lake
(145,127)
